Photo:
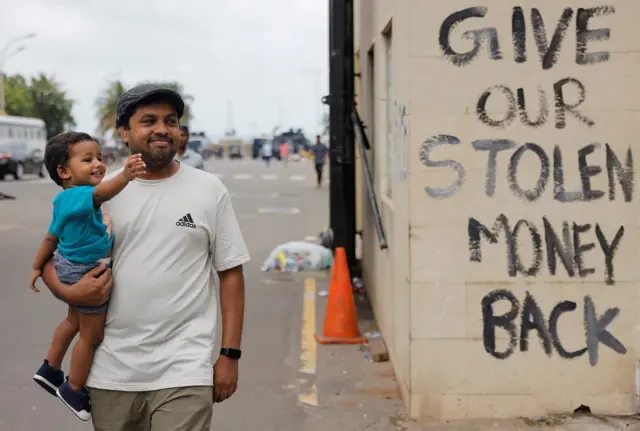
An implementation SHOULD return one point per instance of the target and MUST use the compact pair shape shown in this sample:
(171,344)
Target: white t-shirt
(169,237)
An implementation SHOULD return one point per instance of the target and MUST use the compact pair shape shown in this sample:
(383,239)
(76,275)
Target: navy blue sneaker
(49,378)
(77,401)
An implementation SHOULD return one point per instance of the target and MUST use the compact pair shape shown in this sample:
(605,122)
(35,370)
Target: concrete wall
(510,286)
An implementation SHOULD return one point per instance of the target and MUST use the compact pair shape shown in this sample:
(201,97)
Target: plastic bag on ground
(298,256)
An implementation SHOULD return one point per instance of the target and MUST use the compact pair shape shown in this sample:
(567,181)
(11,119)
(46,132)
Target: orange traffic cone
(340,320)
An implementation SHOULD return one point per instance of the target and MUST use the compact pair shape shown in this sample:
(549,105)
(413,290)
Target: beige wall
(429,287)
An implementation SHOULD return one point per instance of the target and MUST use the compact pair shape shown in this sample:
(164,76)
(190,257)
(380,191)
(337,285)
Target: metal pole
(336,123)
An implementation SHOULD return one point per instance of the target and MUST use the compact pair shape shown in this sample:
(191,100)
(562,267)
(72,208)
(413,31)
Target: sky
(263,61)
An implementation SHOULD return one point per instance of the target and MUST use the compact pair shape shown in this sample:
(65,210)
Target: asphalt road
(274,204)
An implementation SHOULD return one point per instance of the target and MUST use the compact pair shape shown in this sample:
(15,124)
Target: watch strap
(231,353)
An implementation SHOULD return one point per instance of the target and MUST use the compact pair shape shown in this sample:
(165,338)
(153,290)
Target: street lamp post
(4,57)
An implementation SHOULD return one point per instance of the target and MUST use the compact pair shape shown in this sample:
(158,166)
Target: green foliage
(41,97)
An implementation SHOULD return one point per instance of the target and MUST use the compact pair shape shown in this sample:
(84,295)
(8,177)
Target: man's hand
(93,289)
(225,378)
(134,167)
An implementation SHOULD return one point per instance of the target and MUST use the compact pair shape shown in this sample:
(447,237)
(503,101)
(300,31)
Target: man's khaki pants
(176,409)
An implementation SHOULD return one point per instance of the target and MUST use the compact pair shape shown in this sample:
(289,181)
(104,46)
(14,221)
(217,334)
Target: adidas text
(185,224)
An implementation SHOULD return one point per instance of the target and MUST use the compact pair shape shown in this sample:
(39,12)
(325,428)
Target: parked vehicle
(17,160)
(22,143)
(235,152)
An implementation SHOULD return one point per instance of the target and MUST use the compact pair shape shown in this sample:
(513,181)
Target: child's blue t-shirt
(82,235)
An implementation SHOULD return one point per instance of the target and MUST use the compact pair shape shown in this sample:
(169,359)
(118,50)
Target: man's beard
(156,158)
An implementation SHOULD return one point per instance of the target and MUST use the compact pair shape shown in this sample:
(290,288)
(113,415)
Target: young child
(83,241)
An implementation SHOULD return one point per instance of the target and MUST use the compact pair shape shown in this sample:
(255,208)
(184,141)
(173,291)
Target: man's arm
(92,290)
(232,306)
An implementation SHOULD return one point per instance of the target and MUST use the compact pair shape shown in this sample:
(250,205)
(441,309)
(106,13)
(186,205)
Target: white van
(22,144)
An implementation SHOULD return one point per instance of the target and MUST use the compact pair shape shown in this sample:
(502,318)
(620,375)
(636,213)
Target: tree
(42,98)
(106,104)
(18,100)
(50,103)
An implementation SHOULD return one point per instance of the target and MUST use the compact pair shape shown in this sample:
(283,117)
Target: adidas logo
(186,221)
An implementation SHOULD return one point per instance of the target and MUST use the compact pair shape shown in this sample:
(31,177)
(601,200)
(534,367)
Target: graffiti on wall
(530,317)
(400,145)
(560,248)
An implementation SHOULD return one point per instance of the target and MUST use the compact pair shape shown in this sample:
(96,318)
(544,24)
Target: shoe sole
(45,384)
(79,415)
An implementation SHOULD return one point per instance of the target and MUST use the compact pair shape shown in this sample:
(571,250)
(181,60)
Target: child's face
(85,167)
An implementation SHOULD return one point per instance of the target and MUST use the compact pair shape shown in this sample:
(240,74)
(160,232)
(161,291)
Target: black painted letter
(555,248)
(609,251)
(596,330)
(532,318)
(534,194)
(586,172)
(625,174)
(481,108)
(425,150)
(579,249)
(584,35)
(506,321)
(490,34)
(549,52)
(557,311)
(493,146)
(562,107)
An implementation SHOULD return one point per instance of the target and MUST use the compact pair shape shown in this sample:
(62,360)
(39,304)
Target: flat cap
(129,101)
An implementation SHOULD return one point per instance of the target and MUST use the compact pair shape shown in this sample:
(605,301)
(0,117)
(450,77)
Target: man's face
(154,132)
(184,138)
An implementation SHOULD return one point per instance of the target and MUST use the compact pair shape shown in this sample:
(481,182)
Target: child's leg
(62,338)
(91,334)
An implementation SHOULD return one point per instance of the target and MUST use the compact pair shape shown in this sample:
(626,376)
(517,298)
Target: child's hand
(35,274)
(134,167)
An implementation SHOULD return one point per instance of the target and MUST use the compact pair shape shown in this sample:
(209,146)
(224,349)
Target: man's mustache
(168,139)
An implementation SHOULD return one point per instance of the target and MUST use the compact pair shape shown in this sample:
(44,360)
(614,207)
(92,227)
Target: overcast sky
(262,56)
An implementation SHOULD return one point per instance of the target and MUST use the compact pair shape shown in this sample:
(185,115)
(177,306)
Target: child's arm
(46,249)
(108,189)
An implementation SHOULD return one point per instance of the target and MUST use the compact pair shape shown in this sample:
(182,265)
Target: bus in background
(22,144)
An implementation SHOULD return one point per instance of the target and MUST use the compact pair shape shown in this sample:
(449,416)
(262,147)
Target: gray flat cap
(128,102)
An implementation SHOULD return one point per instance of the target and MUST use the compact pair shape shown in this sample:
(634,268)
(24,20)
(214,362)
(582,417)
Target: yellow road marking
(308,354)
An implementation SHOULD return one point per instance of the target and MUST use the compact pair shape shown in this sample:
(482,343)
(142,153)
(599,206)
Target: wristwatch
(231,353)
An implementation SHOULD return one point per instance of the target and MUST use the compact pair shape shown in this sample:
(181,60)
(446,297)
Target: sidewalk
(354,393)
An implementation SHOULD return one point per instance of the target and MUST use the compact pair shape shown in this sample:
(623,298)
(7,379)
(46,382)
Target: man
(186,155)
(267,151)
(319,151)
(154,371)
(284,152)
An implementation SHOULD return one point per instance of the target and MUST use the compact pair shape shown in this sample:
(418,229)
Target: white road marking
(242,176)
(218,174)
(297,178)
(274,210)
(269,177)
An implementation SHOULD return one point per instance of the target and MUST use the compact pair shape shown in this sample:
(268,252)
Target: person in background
(284,152)
(319,151)
(267,151)
(186,155)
